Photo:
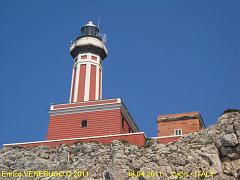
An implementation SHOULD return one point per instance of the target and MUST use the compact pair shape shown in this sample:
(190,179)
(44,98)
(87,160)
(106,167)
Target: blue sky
(164,57)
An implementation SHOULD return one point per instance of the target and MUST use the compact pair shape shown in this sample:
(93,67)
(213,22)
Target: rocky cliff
(213,153)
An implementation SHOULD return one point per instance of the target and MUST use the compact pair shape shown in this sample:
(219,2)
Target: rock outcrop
(213,153)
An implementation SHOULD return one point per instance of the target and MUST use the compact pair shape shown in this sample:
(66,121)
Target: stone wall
(213,153)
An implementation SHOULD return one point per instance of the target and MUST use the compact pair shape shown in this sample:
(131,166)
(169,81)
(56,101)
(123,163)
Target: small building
(171,127)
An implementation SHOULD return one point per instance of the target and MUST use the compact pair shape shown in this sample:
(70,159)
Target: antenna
(103,36)
(99,23)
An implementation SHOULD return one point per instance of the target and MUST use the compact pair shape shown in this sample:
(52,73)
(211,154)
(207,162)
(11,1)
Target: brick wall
(187,126)
(99,123)
(168,139)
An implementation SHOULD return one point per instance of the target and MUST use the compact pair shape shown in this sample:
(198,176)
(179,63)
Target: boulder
(229,140)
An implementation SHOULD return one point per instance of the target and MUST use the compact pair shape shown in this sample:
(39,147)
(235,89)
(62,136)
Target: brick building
(171,127)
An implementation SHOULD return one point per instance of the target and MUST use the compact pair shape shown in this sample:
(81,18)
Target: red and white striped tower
(88,52)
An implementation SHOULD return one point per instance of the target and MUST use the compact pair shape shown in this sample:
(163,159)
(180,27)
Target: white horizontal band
(167,136)
(70,139)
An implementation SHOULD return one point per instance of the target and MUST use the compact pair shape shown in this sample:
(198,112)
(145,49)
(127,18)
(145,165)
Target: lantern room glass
(90,31)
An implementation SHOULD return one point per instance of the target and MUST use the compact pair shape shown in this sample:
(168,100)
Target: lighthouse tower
(88,52)
(87,114)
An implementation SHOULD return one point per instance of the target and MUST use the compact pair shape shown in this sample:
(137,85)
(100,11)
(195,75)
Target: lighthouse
(87,114)
(88,52)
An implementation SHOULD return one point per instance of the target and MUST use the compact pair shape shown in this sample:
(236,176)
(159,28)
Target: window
(84,57)
(178,132)
(84,123)
(94,57)
(122,122)
(129,130)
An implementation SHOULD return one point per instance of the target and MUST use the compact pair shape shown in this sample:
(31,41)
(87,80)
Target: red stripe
(81,85)
(100,84)
(92,92)
(73,85)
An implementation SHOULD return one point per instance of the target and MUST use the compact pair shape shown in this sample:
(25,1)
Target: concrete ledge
(167,139)
(161,137)
(133,138)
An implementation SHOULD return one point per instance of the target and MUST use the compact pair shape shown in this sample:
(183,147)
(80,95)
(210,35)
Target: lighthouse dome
(90,29)
(90,23)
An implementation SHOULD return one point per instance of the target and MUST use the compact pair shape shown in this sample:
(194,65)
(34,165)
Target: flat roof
(180,116)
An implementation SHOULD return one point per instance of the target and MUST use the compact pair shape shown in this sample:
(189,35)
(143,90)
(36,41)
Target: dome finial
(90,23)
